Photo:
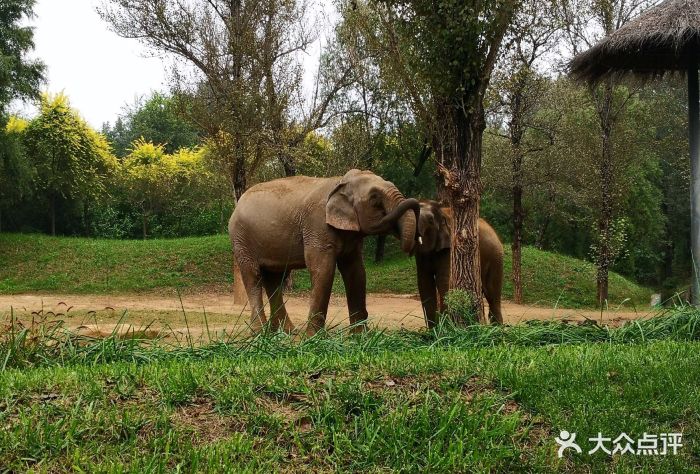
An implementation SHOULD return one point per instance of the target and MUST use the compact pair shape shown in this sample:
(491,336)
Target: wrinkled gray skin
(315,223)
(433,262)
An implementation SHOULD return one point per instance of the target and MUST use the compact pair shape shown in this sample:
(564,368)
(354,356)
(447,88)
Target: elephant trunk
(407,228)
(399,215)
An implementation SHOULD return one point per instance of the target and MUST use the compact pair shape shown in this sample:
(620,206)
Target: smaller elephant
(433,262)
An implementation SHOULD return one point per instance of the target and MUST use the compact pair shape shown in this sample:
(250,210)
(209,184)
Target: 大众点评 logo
(647,445)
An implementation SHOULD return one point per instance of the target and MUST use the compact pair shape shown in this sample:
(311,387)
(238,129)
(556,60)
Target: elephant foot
(257,324)
(288,326)
(358,329)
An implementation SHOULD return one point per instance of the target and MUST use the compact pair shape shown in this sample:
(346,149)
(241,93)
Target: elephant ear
(445,230)
(340,212)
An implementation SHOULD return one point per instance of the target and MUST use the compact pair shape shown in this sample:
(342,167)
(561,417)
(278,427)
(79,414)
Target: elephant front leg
(427,290)
(441,264)
(322,270)
(352,268)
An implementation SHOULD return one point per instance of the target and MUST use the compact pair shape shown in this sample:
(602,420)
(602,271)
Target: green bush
(461,307)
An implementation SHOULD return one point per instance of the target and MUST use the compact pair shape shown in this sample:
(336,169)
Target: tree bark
(144,225)
(425,153)
(460,152)
(238,176)
(379,251)
(517,243)
(288,164)
(542,234)
(516,138)
(52,210)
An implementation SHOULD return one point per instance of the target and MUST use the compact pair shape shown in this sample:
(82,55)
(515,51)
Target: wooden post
(694,130)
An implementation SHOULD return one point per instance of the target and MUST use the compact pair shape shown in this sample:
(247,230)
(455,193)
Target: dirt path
(102,314)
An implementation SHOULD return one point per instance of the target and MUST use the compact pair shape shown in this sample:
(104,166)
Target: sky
(100,72)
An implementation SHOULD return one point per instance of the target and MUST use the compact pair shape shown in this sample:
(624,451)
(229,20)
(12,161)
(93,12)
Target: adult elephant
(314,223)
(433,262)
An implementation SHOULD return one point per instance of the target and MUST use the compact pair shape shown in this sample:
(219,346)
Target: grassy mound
(37,263)
(481,400)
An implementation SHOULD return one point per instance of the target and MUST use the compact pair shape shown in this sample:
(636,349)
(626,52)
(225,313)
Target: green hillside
(38,263)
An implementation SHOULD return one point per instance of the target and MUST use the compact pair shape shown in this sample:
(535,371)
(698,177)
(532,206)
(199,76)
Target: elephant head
(433,227)
(364,202)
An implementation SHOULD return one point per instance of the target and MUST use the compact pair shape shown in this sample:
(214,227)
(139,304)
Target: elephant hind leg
(274,286)
(492,287)
(252,280)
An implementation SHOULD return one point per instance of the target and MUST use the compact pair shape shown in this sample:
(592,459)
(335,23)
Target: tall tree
(584,23)
(440,56)
(16,172)
(20,78)
(246,91)
(517,91)
(157,119)
(71,159)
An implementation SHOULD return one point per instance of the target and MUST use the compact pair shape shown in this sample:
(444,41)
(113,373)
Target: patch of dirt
(99,315)
(285,408)
(201,420)
(120,331)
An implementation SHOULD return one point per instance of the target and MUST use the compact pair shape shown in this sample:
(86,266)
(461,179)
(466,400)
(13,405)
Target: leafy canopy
(20,76)
(71,158)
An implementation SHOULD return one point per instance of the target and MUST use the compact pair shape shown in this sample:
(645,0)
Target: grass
(480,399)
(37,263)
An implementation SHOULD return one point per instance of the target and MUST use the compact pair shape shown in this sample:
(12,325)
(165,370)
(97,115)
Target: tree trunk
(517,243)
(239,181)
(288,281)
(516,138)
(288,164)
(542,234)
(52,210)
(460,156)
(222,217)
(379,251)
(144,225)
(666,270)
(425,153)
(605,254)
(86,218)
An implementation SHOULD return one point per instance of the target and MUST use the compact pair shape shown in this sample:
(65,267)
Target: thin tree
(584,23)
(518,89)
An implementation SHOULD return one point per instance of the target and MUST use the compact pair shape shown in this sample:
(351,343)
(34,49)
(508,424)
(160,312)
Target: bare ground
(214,314)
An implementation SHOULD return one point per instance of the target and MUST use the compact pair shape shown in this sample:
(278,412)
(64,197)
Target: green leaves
(151,179)
(71,159)
(20,77)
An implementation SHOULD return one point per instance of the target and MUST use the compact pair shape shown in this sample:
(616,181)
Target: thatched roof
(661,39)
